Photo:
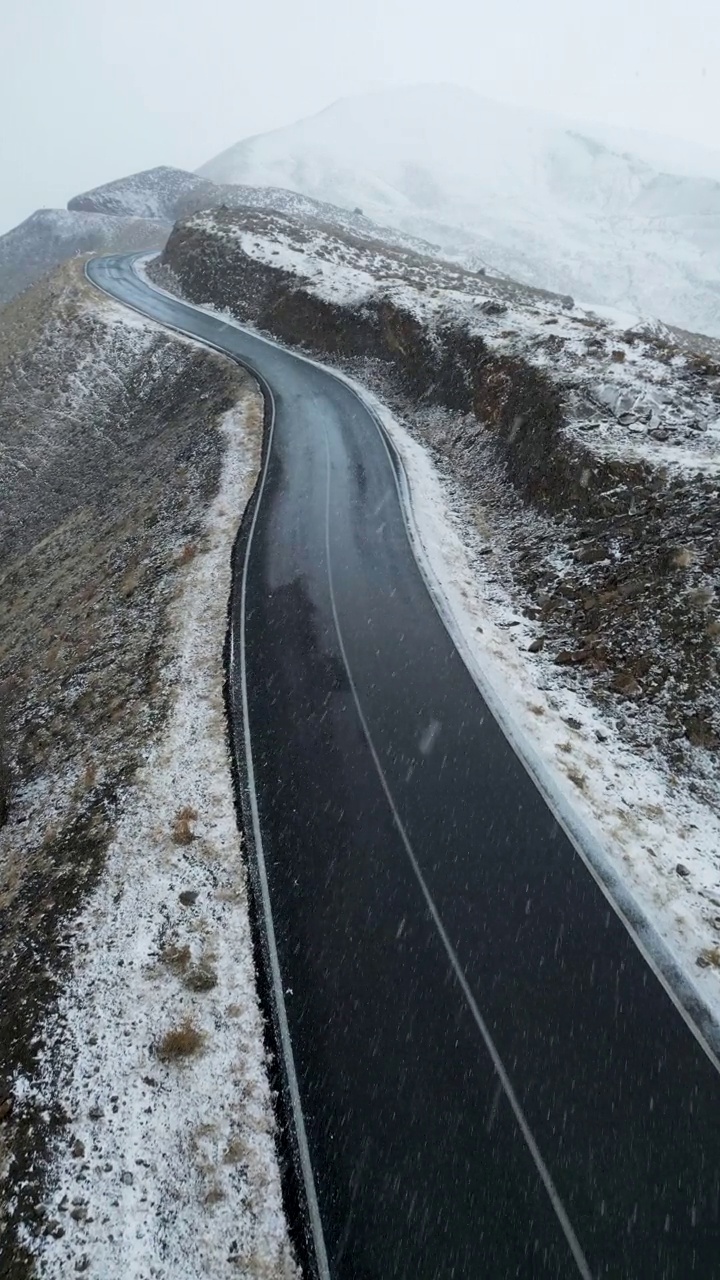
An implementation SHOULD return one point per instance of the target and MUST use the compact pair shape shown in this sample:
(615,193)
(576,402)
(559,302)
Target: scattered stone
(188,897)
(682,870)
(78,1149)
(95,1112)
(535,646)
(701,596)
(127,1178)
(591,553)
(569,657)
(700,733)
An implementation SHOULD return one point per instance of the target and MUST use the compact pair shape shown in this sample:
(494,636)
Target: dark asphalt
(493,1081)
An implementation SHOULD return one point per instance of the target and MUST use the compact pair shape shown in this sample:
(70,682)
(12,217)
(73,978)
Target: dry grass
(201,977)
(578,779)
(182,828)
(180,1042)
(236,1151)
(92,519)
(176,958)
(187,554)
(131,581)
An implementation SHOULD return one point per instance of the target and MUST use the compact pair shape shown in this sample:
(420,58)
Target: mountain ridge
(561,205)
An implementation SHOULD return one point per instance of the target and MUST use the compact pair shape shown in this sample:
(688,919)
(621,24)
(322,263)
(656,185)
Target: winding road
(485,1076)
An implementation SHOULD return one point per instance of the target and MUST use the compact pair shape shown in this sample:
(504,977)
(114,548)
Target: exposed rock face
(448,366)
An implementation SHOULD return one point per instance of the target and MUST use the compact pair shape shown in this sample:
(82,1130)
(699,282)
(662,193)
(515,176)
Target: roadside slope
(127,456)
(50,236)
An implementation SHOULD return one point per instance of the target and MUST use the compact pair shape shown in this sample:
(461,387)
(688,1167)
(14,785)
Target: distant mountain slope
(593,212)
(50,236)
(208,195)
(153,193)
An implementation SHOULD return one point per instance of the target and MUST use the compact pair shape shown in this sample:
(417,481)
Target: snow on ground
(167,1164)
(626,220)
(634,823)
(639,396)
(153,193)
(643,830)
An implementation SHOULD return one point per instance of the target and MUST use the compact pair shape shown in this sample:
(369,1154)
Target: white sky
(93,89)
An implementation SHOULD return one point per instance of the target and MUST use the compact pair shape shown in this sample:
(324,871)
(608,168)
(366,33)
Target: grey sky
(92,89)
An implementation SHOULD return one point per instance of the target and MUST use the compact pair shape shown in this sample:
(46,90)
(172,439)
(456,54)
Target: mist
(93,91)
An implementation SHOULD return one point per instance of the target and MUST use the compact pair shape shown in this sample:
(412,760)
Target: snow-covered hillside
(210,195)
(50,236)
(611,217)
(154,193)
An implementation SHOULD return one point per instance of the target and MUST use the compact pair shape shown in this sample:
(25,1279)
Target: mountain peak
(611,217)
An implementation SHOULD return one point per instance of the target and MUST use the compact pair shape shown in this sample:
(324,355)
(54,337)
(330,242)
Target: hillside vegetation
(108,460)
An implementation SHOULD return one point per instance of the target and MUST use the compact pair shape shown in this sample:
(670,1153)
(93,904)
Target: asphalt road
(486,1078)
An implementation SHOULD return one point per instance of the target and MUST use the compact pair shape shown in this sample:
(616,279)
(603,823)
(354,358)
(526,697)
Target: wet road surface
(486,1078)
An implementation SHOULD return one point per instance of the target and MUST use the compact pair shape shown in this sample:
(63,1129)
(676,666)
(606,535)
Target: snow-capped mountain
(154,193)
(609,216)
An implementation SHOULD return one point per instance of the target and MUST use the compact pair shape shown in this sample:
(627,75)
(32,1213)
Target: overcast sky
(93,89)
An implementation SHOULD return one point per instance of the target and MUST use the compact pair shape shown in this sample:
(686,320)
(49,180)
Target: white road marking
(298,1118)
(545,1175)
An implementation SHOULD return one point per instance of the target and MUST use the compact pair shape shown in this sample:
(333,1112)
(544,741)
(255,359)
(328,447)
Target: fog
(91,91)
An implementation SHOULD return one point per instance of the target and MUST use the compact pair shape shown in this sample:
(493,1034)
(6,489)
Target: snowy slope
(209,195)
(609,216)
(154,193)
(50,236)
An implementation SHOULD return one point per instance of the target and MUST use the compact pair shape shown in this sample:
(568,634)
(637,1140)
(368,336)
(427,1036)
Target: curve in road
(485,1075)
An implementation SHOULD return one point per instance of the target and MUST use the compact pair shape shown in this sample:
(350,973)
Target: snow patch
(167,1166)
